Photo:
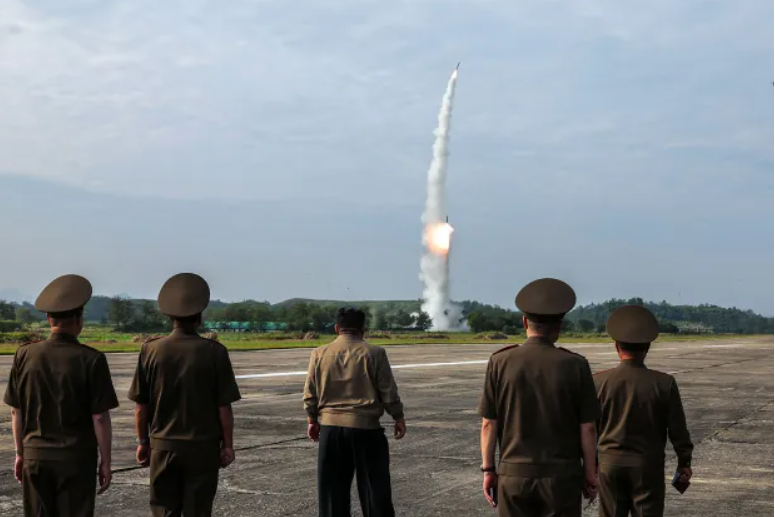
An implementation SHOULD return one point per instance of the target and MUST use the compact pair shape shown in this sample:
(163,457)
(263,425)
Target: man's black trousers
(364,452)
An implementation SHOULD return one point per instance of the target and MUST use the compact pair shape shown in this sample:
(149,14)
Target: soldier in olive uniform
(640,409)
(184,386)
(349,387)
(539,404)
(61,394)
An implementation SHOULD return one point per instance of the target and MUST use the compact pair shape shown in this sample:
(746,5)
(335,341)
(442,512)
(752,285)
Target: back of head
(350,320)
(63,301)
(183,298)
(633,328)
(544,303)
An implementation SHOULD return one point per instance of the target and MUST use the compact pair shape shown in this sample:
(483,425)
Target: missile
(458,65)
(447,221)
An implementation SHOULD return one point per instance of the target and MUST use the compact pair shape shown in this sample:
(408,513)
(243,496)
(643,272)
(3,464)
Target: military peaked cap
(632,324)
(66,293)
(546,298)
(183,295)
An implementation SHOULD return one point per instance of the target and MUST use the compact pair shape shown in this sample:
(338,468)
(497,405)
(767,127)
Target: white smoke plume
(434,265)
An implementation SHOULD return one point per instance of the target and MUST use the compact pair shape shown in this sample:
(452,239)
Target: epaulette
(508,347)
(31,343)
(569,351)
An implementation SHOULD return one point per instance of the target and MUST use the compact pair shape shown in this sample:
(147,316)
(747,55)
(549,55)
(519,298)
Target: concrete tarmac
(727,388)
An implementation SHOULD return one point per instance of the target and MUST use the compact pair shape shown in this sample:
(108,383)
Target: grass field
(106,341)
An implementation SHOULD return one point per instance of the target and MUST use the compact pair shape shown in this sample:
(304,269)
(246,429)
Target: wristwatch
(488,469)
(143,441)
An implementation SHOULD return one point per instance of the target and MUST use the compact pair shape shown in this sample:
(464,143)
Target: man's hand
(227,457)
(143,455)
(399,429)
(590,484)
(685,472)
(313,431)
(18,468)
(490,487)
(105,477)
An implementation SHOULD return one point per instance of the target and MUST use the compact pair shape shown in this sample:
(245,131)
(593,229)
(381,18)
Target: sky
(280,149)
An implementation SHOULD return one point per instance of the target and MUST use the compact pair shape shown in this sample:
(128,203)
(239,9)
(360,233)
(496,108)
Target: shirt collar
(632,363)
(63,337)
(348,338)
(538,340)
(179,332)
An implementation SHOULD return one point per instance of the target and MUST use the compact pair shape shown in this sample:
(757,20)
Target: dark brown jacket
(641,408)
(183,378)
(57,385)
(540,395)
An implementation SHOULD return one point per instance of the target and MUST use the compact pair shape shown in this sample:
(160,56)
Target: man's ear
(336,328)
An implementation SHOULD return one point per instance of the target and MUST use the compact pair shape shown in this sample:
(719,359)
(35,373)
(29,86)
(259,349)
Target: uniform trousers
(539,496)
(182,484)
(346,451)
(637,491)
(59,488)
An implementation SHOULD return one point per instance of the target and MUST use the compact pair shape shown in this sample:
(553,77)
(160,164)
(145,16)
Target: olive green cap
(66,293)
(546,298)
(183,295)
(632,324)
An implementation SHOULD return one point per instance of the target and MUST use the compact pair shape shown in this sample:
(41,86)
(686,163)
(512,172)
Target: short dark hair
(57,318)
(351,318)
(185,320)
(544,323)
(634,348)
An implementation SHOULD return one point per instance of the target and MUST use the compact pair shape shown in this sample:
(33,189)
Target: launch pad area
(727,387)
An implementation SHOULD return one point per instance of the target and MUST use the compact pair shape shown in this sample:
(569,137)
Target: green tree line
(132,315)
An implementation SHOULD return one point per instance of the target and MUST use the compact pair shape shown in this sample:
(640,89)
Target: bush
(309,336)
(10,326)
(490,335)
(21,337)
(379,334)
(430,335)
(512,330)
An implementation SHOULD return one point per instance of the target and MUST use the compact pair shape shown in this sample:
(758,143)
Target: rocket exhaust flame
(438,237)
(437,232)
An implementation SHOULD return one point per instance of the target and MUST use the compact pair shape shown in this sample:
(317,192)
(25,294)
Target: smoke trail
(434,265)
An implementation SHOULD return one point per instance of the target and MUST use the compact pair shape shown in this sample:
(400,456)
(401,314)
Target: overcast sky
(281,148)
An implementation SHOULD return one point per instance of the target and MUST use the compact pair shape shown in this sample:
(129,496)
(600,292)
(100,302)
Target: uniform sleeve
(589,406)
(103,394)
(311,387)
(677,430)
(387,388)
(11,396)
(139,391)
(488,405)
(228,391)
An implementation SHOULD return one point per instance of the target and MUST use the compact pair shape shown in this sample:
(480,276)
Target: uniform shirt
(540,395)
(350,384)
(183,378)
(57,385)
(640,408)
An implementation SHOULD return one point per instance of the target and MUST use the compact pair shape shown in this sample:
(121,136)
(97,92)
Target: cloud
(645,125)
(188,98)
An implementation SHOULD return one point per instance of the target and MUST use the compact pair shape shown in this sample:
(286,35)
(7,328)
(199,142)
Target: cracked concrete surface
(727,387)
